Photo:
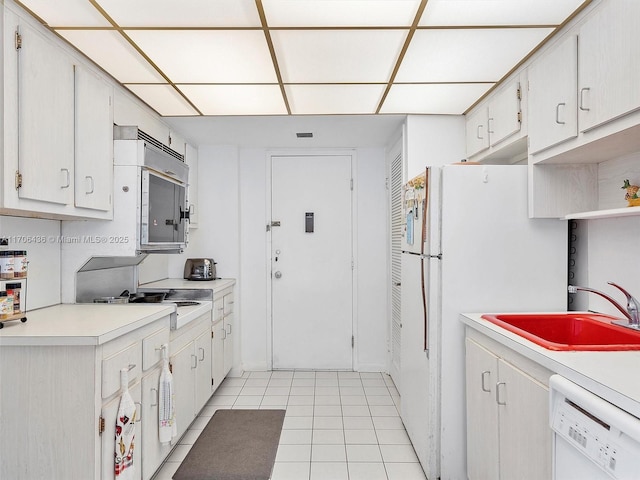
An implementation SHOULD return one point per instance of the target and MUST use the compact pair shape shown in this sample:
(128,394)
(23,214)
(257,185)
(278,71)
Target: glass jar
(14,290)
(6,264)
(19,264)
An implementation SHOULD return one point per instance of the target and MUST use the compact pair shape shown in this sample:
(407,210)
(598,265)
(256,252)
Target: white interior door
(311,262)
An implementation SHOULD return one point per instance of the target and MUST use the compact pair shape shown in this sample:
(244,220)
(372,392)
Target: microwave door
(164,221)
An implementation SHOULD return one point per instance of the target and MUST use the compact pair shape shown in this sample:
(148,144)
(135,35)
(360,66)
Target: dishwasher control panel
(605,434)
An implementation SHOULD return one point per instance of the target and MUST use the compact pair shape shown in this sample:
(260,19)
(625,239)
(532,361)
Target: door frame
(354,243)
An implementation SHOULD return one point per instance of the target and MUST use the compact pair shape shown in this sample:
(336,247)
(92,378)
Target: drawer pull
(483,377)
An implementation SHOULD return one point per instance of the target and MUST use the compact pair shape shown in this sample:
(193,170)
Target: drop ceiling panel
(163,98)
(466,55)
(451,99)
(114,54)
(337,99)
(197,56)
(182,13)
(332,13)
(70,13)
(337,56)
(236,99)
(497,12)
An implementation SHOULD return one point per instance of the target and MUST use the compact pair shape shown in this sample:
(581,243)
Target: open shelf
(610,213)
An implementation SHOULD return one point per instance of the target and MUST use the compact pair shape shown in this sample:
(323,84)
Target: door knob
(278,274)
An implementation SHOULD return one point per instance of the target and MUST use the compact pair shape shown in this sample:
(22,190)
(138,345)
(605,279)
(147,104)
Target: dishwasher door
(593,439)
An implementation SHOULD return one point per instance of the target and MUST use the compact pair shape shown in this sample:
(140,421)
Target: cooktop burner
(186,303)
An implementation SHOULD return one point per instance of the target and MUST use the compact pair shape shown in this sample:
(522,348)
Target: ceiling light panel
(68,13)
(332,13)
(334,99)
(337,56)
(182,13)
(467,55)
(497,12)
(164,99)
(447,99)
(114,54)
(236,99)
(211,56)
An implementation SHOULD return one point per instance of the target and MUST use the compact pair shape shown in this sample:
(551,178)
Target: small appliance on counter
(200,269)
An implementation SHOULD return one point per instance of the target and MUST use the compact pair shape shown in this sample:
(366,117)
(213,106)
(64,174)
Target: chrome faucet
(632,312)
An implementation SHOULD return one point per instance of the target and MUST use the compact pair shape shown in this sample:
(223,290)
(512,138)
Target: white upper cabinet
(505,116)
(553,96)
(45,119)
(608,63)
(93,141)
(477,131)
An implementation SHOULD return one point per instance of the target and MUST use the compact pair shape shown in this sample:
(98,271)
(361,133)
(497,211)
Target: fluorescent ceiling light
(164,99)
(451,99)
(236,99)
(70,13)
(338,99)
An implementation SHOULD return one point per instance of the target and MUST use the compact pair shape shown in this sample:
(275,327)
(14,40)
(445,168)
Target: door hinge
(519,117)
(171,367)
(519,92)
(18,38)
(353,341)
(212,382)
(101,425)
(353,265)
(212,334)
(18,180)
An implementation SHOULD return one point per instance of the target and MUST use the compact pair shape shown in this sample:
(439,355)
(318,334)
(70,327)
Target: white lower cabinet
(191,369)
(228,332)
(508,434)
(222,337)
(154,452)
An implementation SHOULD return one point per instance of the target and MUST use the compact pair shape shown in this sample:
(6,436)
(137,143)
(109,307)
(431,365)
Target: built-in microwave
(163,204)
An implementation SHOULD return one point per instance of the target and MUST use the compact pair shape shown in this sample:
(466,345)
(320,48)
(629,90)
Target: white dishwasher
(592,438)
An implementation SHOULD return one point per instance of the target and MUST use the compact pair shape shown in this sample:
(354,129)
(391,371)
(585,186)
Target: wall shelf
(610,213)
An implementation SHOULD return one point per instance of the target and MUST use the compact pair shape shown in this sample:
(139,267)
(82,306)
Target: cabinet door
(477,134)
(608,60)
(504,113)
(553,96)
(203,371)
(217,357)
(525,435)
(45,119)
(482,413)
(153,452)
(184,362)
(228,343)
(93,141)
(108,436)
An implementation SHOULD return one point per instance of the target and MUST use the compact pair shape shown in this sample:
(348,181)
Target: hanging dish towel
(125,431)
(167,427)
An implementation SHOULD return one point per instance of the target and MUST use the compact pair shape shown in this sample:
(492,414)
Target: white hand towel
(167,427)
(125,431)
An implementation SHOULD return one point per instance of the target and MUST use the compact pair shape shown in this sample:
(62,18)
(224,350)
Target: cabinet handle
(194,362)
(201,354)
(67,179)
(138,411)
(489,131)
(582,107)
(478,134)
(156,395)
(90,184)
(192,209)
(498,401)
(224,334)
(558,113)
(483,376)
(229,332)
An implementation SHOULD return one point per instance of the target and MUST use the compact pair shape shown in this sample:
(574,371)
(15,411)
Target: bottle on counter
(6,264)
(14,290)
(20,264)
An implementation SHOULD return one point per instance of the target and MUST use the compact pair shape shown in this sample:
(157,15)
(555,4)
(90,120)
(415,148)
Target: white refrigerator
(468,246)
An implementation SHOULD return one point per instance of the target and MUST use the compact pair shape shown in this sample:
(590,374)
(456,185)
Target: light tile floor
(338,425)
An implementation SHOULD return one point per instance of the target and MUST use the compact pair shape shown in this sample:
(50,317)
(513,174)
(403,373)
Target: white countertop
(81,324)
(610,375)
(180,283)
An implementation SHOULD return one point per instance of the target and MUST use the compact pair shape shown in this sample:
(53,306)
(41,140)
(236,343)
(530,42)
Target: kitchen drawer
(129,357)
(228,303)
(151,348)
(218,309)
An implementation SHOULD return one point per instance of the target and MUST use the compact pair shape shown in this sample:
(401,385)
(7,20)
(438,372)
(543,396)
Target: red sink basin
(569,331)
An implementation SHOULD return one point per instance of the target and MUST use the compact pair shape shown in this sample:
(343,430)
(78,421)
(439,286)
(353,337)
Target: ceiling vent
(304,135)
